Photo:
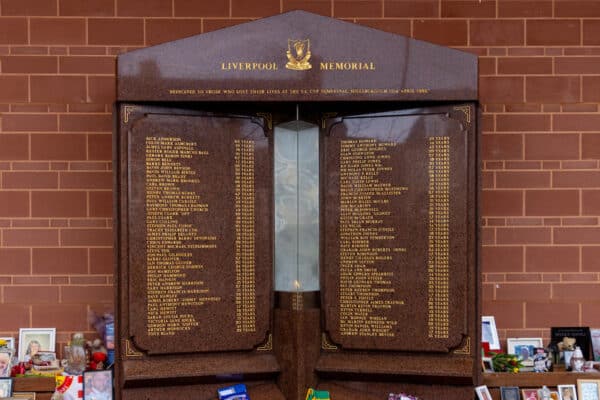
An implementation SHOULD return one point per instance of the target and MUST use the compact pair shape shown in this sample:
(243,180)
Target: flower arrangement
(504,362)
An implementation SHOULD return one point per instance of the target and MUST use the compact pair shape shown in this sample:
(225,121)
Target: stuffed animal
(567,344)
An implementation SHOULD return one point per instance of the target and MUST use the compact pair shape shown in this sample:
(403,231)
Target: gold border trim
(325,117)
(467,111)
(126,111)
(466,349)
(326,344)
(129,350)
(268,119)
(268,346)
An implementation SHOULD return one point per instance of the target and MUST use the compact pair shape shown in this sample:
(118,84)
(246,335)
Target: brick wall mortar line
(469,32)
(580,193)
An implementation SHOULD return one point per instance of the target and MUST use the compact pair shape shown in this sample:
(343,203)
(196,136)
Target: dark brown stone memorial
(296,206)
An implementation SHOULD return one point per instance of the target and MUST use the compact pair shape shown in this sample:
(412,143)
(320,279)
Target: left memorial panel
(195,254)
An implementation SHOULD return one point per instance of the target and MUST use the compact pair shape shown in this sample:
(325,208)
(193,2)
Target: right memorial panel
(396,237)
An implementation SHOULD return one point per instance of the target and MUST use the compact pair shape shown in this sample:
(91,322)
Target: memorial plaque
(395,232)
(199,209)
(377,267)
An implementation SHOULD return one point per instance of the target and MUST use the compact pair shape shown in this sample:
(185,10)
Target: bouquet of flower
(504,362)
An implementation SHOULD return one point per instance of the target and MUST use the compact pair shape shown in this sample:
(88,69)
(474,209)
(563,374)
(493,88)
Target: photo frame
(10,342)
(580,333)
(588,389)
(530,394)
(6,356)
(24,395)
(489,333)
(98,384)
(595,336)
(6,385)
(567,392)
(483,393)
(524,348)
(487,364)
(32,340)
(510,393)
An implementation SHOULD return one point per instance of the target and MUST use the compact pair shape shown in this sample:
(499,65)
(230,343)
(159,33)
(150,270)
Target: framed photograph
(483,393)
(6,387)
(489,333)
(487,364)
(24,395)
(32,340)
(509,393)
(595,334)
(588,389)
(581,334)
(5,362)
(567,392)
(530,394)
(10,342)
(98,385)
(524,348)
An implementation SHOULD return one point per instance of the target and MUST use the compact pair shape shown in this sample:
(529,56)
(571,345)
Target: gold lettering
(248,66)
(368,300)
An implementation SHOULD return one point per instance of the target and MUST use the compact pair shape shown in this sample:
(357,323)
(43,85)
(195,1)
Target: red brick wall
(540,88)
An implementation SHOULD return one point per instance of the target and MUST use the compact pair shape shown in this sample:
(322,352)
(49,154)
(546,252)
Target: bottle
(577,360)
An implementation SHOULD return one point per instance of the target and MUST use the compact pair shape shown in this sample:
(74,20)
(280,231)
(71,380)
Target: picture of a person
(5,364)
(32,348)
(567,394)
(524,353)
(98,386)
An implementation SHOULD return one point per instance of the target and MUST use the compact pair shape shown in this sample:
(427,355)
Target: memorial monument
(296,205)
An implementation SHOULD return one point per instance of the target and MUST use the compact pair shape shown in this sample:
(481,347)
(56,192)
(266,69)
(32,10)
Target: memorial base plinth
(256,390)
(379,390)
(297,343)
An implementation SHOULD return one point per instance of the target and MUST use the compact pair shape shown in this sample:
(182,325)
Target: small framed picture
(595,335)
(588,389)
(98,385)
(524,348)
(509,393)
(567,392)
(5,362)
(487,364)
(489,333)
(32,340)
(530,394)
(24,395)
(483,393)
(10,342)
(6,387)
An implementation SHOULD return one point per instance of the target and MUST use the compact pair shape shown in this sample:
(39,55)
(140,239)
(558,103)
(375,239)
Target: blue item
(235,392)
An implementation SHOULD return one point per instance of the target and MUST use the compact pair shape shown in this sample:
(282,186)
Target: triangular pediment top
(297,56)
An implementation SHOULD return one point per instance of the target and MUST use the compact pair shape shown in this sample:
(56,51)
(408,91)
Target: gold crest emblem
(298,54)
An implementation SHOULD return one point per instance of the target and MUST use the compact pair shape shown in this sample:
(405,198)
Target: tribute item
(299,214)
